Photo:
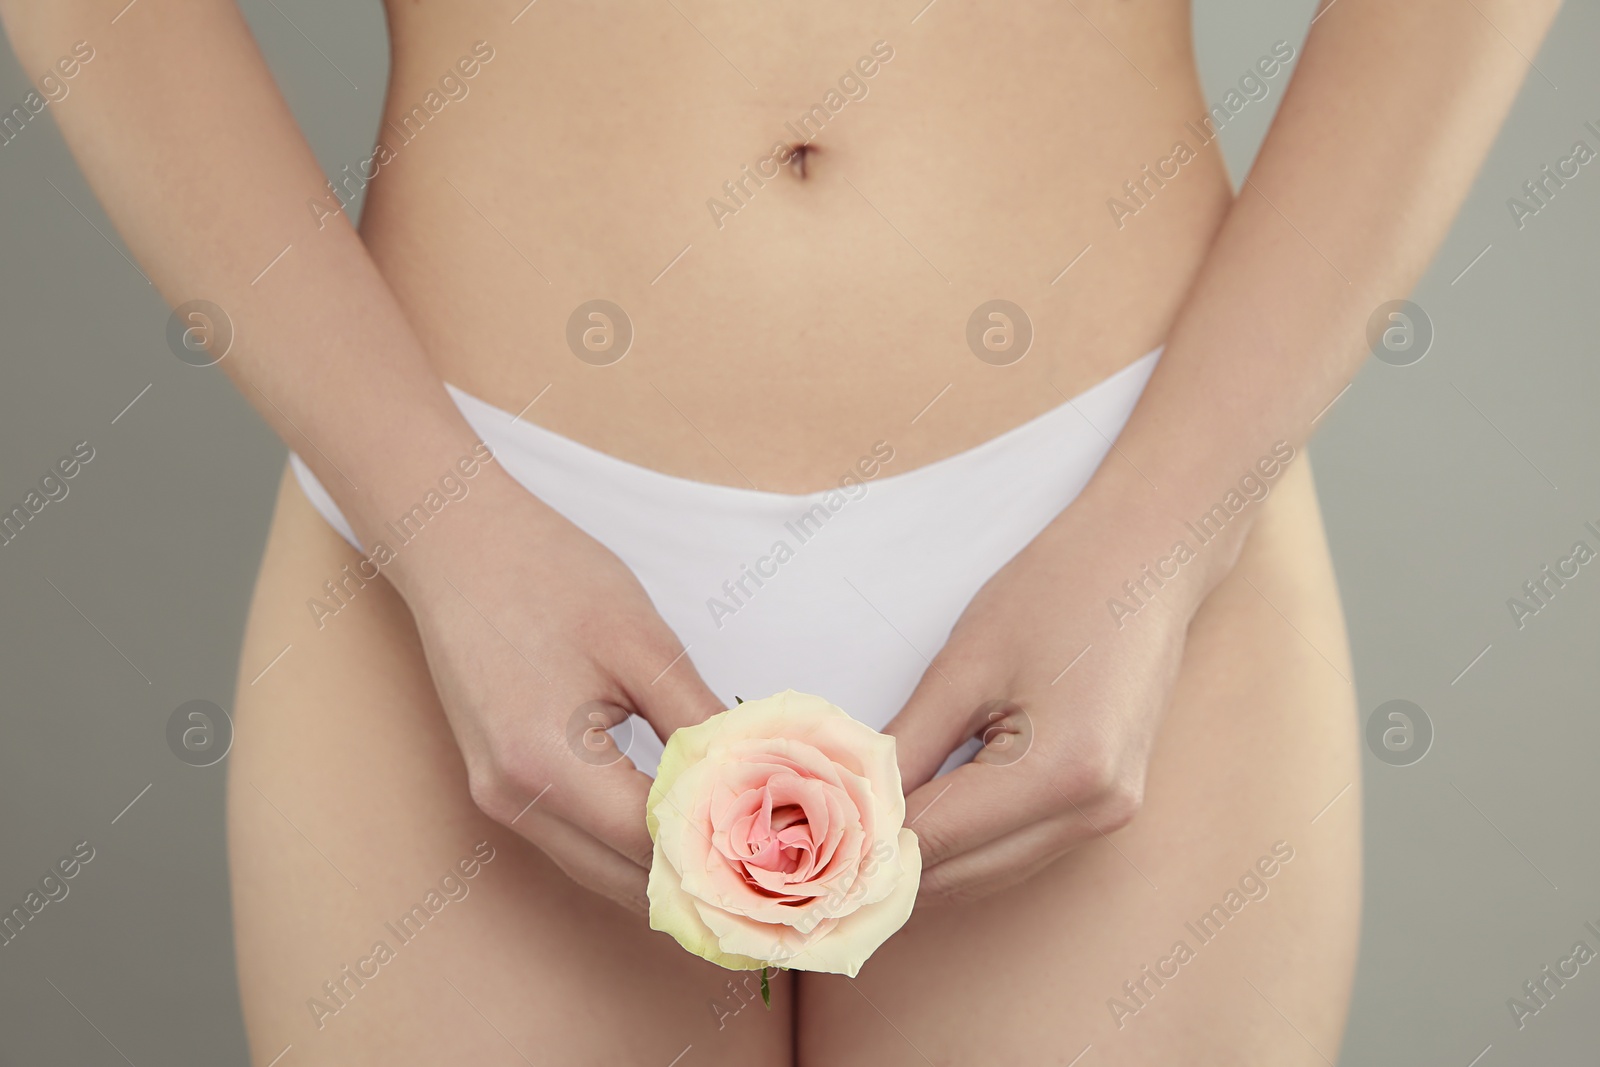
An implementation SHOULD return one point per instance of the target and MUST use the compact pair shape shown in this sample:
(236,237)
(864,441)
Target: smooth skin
(1272,331)
(1204,729)
(344,767)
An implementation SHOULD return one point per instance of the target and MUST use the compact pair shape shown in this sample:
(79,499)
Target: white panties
(846,592)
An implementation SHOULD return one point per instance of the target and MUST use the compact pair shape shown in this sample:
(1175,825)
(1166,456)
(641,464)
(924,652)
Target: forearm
(186,141)
(1391,112)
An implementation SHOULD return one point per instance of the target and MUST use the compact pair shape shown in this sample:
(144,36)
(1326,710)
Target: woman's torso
(968,153)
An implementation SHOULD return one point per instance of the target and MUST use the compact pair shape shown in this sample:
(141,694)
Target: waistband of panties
(558,468)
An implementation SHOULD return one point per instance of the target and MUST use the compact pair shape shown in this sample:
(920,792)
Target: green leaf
(766,990)
(737,700)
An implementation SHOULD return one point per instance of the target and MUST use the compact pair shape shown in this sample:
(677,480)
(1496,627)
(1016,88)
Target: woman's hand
(525,620)
(1066,697)
(1270,334)
(522,617)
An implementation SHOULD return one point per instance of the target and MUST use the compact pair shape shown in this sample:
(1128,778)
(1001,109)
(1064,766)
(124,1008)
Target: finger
(1003,863)
(934,723)
(1029,848)
(586,861)
(973,805)
(574,771)
(669,693)
(602,794)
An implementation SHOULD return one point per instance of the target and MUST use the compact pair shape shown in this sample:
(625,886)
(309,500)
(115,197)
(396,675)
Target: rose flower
(778,838)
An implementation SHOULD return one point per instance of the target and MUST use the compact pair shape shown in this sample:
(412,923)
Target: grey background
(1446,485)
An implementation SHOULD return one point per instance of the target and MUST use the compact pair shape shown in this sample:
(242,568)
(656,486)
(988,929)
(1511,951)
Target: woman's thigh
(379,917)
(1131,950)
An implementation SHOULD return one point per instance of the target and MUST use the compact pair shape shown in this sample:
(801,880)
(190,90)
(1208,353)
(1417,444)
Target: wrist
(1162,548)
(443,509)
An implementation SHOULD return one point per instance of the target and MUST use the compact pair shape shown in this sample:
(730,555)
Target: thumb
(672,695)
(941,714)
